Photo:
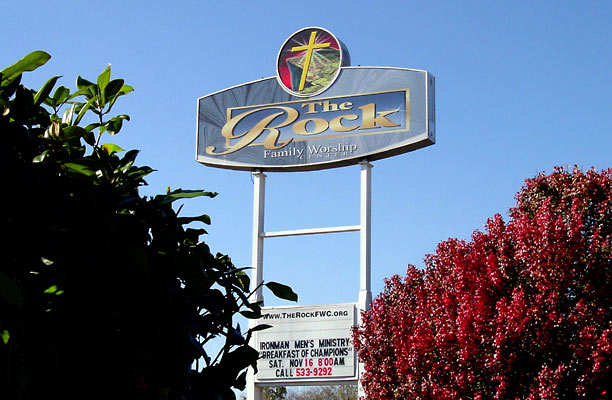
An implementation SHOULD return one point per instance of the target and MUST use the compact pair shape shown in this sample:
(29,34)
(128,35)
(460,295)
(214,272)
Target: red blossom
(521,311)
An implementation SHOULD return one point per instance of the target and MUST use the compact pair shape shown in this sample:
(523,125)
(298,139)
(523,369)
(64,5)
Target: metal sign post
(365,287)
(254,391)
(365,290)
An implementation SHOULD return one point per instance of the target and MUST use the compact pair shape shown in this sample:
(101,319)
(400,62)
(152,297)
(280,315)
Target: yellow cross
(309,49)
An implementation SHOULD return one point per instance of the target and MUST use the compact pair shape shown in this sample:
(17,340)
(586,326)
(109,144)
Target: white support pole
(259,199)
(255,392)
(259,203)
(365,291)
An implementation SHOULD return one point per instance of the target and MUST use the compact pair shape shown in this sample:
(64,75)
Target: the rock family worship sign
(318,112)
(307,344)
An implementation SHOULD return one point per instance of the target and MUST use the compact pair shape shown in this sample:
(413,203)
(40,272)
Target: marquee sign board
(317,113)
(307,344)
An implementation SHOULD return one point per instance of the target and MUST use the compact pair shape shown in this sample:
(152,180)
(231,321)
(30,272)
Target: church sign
(318,112)
(307,344)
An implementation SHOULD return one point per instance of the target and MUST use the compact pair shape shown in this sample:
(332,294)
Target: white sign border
(315,380)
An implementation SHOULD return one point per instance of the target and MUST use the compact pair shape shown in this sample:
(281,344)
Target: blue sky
(521,87)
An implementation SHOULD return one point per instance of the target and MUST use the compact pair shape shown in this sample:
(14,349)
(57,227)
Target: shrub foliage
(104,293)
(521,311)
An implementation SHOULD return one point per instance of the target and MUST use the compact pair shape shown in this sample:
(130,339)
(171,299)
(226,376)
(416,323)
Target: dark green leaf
(128,160)
(110,148)
(194,234)
(79,169)
(125,89)
(5,336)
(74,132)
(235,271)
(204,283)
(83,83)
(255,306)
(103,78)
(241,381)
(27,63)
(85,90)
(244,281)
(260,327)
(8,89)
(60,95)
(44,91)
(200,218)
(90,138)
(234,337)
(114,124)
(250,314)
(138,173)
(84,110)
(112,89)
(51,289)
(239,359)
(282,291)
(41,157)
(10,291)
(93,126)
(182,194)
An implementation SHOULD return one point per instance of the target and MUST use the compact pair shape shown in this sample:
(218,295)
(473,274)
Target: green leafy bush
(104,293)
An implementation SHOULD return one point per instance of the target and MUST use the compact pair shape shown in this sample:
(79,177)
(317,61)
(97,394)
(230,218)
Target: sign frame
(212,118)
(330,317)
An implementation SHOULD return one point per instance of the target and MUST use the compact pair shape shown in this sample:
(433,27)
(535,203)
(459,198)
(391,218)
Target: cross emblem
(309,62)
(310,47)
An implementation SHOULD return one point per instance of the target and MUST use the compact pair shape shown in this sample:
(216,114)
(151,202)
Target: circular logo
(309,62)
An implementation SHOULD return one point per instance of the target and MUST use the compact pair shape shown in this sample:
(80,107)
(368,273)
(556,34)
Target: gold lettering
(248,137)
(311,107)
(327,106)
(372,120)
(284,116)
(347,105)
(336,123)
(320,125)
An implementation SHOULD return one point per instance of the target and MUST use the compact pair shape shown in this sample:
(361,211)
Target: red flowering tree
(522,311)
